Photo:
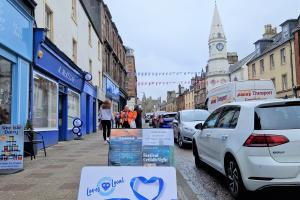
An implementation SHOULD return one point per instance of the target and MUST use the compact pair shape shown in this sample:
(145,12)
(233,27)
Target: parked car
(256,144)
(166,119)
(155,119)
(148,117)
(184,125)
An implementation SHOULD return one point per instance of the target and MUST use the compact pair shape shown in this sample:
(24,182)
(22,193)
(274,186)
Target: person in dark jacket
(138,120)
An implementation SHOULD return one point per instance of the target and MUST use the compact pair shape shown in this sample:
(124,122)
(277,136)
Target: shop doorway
(94,116)
(62,116)
(88,120)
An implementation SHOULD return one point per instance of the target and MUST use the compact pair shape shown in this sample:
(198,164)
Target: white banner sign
(128,183)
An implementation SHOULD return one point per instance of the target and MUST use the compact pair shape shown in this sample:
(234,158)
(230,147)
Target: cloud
(172,35)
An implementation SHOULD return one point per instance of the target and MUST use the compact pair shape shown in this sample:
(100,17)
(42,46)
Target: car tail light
(263,140)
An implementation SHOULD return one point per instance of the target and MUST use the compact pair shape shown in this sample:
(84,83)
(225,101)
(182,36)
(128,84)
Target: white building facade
(70,29)
(218,66)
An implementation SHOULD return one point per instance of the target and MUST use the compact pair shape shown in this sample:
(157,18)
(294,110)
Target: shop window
(73,107)
(45,95)
(5,91)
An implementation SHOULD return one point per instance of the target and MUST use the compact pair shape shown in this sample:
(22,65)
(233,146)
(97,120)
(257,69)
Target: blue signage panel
(112,90)
(11,147)
(15,29)
(59,69)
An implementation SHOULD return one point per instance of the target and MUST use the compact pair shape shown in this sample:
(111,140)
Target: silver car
(184,125)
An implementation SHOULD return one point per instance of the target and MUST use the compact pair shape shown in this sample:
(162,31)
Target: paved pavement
(57,176)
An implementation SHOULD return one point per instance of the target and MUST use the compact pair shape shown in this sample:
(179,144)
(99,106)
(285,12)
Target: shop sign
(15,29)
(11,148)
(52,64)
(112,90)
(141,147)
(134,183)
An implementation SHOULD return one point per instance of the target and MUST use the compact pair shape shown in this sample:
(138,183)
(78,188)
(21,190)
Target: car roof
(167,113)
(190,110)
(255,103)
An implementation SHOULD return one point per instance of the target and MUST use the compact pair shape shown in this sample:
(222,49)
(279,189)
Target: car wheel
(198,162)
(234,179)
(180,141)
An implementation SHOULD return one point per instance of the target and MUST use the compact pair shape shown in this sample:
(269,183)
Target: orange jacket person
(127,117)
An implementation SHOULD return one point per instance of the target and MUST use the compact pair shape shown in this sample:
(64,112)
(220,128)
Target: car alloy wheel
(235,183)
(180,141)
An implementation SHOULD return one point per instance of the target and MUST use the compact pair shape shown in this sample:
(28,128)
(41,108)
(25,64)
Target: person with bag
(128,118)
(106,116)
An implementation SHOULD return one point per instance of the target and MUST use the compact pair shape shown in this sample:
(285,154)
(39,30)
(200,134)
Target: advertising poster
(11,148)
(125,147)
(128,183)
(141,147)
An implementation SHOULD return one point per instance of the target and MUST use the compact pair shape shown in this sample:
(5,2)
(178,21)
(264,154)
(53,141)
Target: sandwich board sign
(141,147)
(128,183)
(11,148)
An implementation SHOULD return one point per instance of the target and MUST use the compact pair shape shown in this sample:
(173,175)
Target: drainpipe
(292,69)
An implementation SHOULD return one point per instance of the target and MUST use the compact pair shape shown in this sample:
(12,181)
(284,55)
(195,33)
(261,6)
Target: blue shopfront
(60,93)
(16,38)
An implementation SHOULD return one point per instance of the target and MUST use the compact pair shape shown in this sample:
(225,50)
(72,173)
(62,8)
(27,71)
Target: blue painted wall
(16,45)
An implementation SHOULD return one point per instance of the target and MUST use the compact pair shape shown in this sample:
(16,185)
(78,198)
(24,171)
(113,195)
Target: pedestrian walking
(117,120)
(106,116)
(128,118)
(138,120)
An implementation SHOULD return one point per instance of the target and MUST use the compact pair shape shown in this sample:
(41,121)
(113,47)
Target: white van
(240,91)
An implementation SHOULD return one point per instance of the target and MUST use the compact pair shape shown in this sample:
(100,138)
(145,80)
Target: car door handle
(224,137)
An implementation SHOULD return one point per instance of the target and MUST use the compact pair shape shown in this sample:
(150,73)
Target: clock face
(220,46)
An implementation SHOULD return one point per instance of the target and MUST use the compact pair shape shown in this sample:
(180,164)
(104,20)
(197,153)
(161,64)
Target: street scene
(160,100)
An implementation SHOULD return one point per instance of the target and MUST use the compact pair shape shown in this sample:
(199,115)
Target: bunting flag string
(141,74)
(159,83)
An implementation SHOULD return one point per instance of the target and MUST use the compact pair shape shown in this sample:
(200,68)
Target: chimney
(269,31)
(232,57)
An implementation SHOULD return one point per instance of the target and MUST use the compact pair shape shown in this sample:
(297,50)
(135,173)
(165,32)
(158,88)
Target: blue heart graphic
(146,181)
(105,186)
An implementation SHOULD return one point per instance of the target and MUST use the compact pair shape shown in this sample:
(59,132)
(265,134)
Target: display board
(11,148)
(141,147)
(128,183)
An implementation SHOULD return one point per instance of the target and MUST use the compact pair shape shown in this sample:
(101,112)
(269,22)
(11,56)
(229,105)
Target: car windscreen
(278,117)
(168,116)
(191,116)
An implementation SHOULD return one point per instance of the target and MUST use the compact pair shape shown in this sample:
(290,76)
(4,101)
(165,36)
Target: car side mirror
(199,126)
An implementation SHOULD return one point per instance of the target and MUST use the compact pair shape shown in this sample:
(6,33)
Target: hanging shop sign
(141,147)
(11,148)
(128,183)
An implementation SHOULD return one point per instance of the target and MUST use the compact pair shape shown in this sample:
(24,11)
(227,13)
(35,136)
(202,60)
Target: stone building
(131,80)
(296,34)
(171,101)
(274,59)
(200,90)
(189,99)
(150,105)
(114,59)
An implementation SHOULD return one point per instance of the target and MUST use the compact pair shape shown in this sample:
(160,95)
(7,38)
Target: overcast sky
(172,35)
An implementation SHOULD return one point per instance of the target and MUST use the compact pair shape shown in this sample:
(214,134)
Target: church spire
(216,30)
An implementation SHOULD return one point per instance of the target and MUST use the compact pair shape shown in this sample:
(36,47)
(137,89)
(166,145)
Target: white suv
(255,144)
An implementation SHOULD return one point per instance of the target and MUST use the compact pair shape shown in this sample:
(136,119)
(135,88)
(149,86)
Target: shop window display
(45,103)
(5,91)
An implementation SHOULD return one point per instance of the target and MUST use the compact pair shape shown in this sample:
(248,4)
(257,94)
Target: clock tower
(218,67)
